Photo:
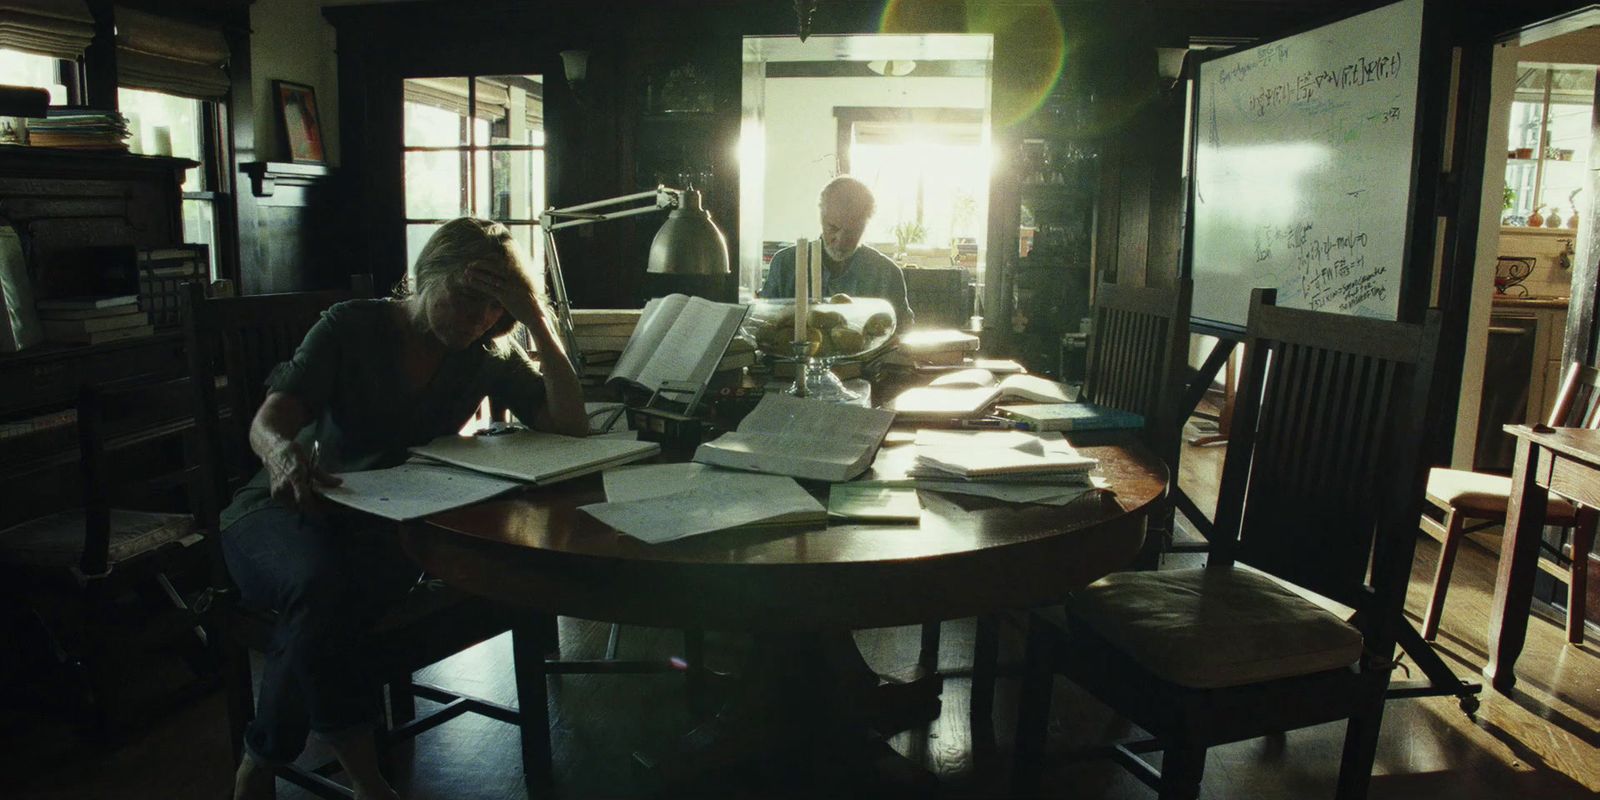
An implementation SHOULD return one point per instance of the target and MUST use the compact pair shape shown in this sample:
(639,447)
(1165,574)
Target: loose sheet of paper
(414,490)
(663,502)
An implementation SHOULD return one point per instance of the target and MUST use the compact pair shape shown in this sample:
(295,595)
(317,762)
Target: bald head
(845,205)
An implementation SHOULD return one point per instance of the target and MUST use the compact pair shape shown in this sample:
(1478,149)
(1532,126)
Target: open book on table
(801,438)
(968,393)
(679,339)
(535,457)
(1027,388)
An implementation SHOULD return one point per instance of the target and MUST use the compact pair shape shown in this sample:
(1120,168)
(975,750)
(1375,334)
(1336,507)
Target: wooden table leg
(1519,553)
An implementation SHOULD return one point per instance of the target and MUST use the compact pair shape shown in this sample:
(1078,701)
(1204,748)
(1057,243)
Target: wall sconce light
(892,68)
(803,11)
(1169,64)
(575,65)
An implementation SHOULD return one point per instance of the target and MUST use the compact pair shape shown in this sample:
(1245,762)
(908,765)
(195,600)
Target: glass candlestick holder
(814,377)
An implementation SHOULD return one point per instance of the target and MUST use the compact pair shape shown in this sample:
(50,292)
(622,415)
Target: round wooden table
(796,588)
(968,556)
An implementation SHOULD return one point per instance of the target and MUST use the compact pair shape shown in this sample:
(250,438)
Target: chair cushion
(57,540)
(1485,496)
(1215,628)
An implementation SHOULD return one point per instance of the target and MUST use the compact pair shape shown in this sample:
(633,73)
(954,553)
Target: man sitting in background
(848,266)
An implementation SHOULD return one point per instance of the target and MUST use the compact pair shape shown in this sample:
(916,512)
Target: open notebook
(535,457)
(801,438)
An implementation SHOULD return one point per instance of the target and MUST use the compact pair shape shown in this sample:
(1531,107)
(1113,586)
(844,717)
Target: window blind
(494,97)
(54,28)
(170,56)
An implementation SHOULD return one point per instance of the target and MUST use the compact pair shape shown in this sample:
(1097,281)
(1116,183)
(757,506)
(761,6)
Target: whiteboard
(1303,169)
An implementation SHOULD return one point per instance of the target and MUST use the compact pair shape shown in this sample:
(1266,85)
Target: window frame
(468,155)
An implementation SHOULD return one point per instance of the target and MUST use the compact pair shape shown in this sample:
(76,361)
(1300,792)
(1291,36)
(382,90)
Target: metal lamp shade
(689,243)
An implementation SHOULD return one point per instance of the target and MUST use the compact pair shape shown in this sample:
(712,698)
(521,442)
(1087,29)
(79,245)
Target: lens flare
(1034,51)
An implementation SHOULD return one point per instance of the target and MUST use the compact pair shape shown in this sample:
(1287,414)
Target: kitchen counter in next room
(1522,372)
(1508,301)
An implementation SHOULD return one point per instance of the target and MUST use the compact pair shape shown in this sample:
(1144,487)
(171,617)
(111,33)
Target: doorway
(909,115)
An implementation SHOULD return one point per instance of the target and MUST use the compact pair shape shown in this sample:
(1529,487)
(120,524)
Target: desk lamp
(688,243)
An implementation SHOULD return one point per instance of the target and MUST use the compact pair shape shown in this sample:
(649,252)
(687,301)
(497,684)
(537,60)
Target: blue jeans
(329,579)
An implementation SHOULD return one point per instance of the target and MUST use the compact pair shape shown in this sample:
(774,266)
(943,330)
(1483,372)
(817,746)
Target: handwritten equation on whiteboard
(1333,272)
(1303,168)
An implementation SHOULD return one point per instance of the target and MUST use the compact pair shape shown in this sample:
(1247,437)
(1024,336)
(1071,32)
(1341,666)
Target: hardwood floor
(1541,743)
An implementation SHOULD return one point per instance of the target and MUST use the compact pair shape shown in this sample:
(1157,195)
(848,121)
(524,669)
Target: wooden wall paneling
(297,219)
(1169,190)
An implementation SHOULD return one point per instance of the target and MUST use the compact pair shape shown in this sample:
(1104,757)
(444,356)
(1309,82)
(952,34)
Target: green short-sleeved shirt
(349,373)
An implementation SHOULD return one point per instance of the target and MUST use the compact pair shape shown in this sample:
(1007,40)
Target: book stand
(675,429)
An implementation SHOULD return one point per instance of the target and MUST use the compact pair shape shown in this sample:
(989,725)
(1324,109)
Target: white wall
(802,135)
(1503,82)
(290,41)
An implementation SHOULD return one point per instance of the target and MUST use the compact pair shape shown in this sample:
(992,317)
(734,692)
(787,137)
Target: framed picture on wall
(301,129)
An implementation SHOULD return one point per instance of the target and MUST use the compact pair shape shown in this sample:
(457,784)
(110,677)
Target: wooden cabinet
(1544,384)
(1047,286)
(63,204)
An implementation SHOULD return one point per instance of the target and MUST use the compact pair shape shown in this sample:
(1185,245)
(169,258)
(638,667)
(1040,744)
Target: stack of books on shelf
(80,129)
(162,273)
(93,319)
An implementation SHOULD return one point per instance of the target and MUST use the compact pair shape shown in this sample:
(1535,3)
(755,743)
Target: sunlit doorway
(908,115)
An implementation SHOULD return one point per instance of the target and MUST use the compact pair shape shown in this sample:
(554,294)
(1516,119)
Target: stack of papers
(664,502)
(902,466)
(1000,454)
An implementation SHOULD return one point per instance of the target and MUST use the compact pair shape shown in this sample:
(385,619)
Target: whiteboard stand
(1193,394)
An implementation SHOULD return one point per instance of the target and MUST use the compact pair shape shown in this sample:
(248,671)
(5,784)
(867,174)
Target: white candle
(160,141)
(802,287)
(816,270)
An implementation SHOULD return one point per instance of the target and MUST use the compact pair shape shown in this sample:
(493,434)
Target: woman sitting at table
(371,379)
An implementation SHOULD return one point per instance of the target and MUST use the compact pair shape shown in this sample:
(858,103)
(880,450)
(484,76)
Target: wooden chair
(239,340)
(1283,628)
(1479,499)
(1138,355)
(130,544)
(1136,362)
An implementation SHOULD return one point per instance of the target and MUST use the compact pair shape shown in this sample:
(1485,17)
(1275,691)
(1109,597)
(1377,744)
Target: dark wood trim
(1461,200)
(47,162)
(952,68)
(266,176)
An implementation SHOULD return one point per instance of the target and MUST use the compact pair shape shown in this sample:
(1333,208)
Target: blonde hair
(456,244)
